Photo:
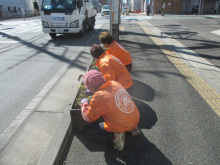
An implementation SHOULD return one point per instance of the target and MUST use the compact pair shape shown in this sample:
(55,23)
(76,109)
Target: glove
(88,92)
(84,100)
(84,109)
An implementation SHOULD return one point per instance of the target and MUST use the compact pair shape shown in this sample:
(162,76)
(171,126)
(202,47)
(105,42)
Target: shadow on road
(148,117)
(141,91)
(138,150)
(181,35)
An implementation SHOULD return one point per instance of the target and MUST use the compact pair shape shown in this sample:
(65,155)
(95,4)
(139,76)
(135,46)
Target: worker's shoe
(119,140)
(136,131)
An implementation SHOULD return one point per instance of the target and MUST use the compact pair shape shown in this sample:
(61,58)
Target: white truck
(67,16)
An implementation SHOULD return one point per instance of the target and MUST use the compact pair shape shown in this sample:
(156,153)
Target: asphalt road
(178,126)
(198,33)
(29,60)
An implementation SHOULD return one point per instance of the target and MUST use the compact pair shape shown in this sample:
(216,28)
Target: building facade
(103,2)
(210,6)
(135,5)
(16,8)
(186,6)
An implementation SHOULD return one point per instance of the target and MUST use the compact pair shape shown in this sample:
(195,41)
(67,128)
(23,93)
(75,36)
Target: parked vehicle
(105,10)
(67,16)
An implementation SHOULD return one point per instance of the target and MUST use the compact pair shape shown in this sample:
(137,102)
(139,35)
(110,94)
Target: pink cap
(93,79)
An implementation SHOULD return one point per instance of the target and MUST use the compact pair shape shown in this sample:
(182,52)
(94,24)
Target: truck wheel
(53,35)
(92,24)
(82,32)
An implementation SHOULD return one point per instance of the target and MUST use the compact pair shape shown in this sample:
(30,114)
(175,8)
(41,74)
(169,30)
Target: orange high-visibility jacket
(113,69)
(118,51)
(114,104)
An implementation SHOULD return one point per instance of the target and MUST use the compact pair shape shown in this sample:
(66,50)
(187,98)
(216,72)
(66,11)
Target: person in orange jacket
(111,101)
(116,49)
(111,67)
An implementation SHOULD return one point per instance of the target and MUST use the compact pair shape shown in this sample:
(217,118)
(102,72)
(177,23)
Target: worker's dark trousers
(97,133)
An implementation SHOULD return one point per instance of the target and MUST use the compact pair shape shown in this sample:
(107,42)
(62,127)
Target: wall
(209,7)
(173,6)
(13,8)
(135,5)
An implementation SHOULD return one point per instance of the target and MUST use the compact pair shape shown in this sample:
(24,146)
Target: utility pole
(153,8)
(114,18)
(110,4)
(23,10)
(200,6)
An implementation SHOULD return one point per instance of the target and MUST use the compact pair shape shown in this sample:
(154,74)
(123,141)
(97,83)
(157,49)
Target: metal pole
(24,10)
(110,16)
(128,7)
(153,8)
(115,19)
(199,12)
(119,12)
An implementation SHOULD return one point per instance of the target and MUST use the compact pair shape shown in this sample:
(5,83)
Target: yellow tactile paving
(121,28)
(211,97)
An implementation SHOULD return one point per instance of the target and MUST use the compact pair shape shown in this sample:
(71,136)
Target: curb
(54,151)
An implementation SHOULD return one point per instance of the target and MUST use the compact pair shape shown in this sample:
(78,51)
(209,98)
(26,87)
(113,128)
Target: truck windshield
(58,4)
(106,7)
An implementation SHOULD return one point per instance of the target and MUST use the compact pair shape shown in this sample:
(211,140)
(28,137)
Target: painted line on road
(30,29)
(40,29)
(9,42)
(211,97)
(216,32)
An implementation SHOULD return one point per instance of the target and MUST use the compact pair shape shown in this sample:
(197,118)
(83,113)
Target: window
(9,9)
(59,4)
(14,10)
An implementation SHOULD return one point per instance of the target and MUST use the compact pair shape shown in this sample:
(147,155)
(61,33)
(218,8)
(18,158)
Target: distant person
(148,9)
(116,49)
(111,67)
(111,101)
(194,10)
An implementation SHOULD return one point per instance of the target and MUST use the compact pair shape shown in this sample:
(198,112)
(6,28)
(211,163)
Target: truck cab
(67,16)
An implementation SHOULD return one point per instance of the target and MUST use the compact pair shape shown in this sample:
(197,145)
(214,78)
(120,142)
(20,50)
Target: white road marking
(216,32)
(9,42)
(29,29)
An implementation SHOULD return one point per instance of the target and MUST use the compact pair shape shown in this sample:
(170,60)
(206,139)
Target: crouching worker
(111,101)
(111,67)
(116,49)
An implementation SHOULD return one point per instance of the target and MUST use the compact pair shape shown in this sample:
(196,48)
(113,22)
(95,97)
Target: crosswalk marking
(8,31)
(21,27)
(40,29)
(29,29)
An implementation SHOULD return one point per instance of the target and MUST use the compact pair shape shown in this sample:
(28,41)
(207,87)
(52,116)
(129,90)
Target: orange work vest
(113,69)
(118,51)
(114,104)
